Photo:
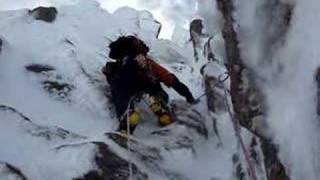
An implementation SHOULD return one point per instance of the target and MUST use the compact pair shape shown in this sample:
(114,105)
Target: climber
(134,74)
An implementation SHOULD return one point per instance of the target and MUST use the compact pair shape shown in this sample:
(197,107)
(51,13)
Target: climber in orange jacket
(134,73)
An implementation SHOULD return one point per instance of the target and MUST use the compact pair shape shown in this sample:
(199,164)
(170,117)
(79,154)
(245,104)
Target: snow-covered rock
(108,165)
(33,144)
(142,20)
(56,121)
(47,14)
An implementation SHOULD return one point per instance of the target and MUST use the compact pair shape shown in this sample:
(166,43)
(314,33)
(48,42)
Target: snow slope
(54,101)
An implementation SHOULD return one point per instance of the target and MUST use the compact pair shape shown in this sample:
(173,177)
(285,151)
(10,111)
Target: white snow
(290,86)
(28,41)
(77,41)
(297,125)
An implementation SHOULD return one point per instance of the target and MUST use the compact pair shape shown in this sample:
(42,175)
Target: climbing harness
(237,129)
(165,115)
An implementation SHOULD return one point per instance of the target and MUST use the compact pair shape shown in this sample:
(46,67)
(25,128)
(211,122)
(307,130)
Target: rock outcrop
(51,81)
(196,34)
(47,14)
(109,165)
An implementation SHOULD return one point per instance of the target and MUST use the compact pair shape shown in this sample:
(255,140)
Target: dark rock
(208,51)
(52,82)
(69,42)
(59,90)
(274,168)
(238,170)
(201,41)
(43,132)
(39,68)
(1,44)
(196,27)
(110,166)
(47,14)
(147,154)
(159,29)
(14,111)
(53,86)
(317,79)
(257,156)
(215,94)
(150,156)
(8,171)
(52,133)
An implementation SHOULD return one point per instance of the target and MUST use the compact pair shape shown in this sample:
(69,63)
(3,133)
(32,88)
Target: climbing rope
(127,118)
(220,81)
(237,129)
(128,140)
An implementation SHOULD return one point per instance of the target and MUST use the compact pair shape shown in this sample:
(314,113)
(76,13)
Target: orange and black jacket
(169,79)
(127,78)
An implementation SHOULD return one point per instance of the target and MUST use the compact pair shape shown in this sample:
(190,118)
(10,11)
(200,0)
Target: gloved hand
(183,91)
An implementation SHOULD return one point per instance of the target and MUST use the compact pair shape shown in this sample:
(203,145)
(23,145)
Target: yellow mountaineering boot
(165,119)
(134,118)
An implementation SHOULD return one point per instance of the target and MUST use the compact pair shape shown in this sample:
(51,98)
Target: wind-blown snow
(285,73)
(289,83)
(297,125)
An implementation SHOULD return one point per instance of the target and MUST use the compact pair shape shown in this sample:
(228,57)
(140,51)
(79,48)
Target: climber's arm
(170,80)
(182,89)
